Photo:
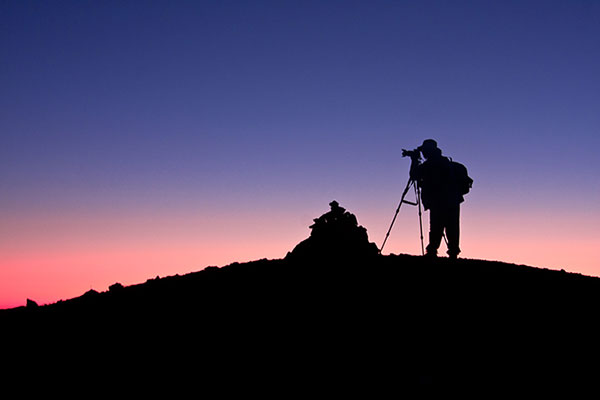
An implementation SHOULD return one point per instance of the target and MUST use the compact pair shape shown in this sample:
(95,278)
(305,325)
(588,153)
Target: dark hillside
(347,324)
(411,317)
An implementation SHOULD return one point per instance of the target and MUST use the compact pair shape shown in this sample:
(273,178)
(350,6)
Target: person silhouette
(335,235)
(440,195)
(331,217)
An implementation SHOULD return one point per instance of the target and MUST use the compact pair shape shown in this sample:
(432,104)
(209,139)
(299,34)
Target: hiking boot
(431,254)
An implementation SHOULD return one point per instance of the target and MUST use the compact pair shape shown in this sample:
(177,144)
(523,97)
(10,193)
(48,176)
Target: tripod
(415,185)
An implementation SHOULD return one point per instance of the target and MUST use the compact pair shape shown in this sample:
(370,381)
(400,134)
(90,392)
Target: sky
(153,138)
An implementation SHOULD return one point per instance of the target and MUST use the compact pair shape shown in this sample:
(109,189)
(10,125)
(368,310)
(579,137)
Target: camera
(416,153)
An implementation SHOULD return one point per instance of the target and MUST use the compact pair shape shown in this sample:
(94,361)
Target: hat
(428,144)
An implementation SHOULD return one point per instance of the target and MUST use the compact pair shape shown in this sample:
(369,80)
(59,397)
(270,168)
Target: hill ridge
(502,323)
(334,317)
(496,265)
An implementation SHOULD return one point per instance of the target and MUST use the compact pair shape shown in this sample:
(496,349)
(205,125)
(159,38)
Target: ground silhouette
(329,324)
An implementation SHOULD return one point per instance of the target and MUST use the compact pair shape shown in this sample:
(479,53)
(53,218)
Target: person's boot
(431,253)
(453,254)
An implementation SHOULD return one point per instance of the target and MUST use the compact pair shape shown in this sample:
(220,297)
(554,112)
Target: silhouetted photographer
(443,183)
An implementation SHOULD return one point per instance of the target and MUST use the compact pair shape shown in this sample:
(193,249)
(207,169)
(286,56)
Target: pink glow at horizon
(52,259)
(48,259)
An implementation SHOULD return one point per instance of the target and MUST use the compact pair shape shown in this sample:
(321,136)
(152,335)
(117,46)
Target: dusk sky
(145,138)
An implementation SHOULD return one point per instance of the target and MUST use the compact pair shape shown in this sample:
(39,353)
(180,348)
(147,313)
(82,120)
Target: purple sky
(238,119)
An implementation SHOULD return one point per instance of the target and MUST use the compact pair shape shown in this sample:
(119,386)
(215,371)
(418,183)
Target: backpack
(461,177)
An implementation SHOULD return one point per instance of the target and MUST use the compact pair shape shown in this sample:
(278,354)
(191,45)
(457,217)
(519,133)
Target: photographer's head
(429,149)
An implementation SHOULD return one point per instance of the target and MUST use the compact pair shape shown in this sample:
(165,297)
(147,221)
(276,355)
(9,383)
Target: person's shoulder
(441,160)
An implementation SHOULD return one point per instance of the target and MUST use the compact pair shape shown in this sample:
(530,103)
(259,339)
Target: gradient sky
(144,138)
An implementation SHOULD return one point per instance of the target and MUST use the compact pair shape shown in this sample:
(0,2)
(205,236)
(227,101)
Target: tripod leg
(408,184)
(418,194)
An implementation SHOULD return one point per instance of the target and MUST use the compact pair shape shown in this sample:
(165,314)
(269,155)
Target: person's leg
(453,230)
(436,230)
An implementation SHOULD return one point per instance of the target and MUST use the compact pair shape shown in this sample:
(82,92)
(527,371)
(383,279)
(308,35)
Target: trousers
(444,218)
